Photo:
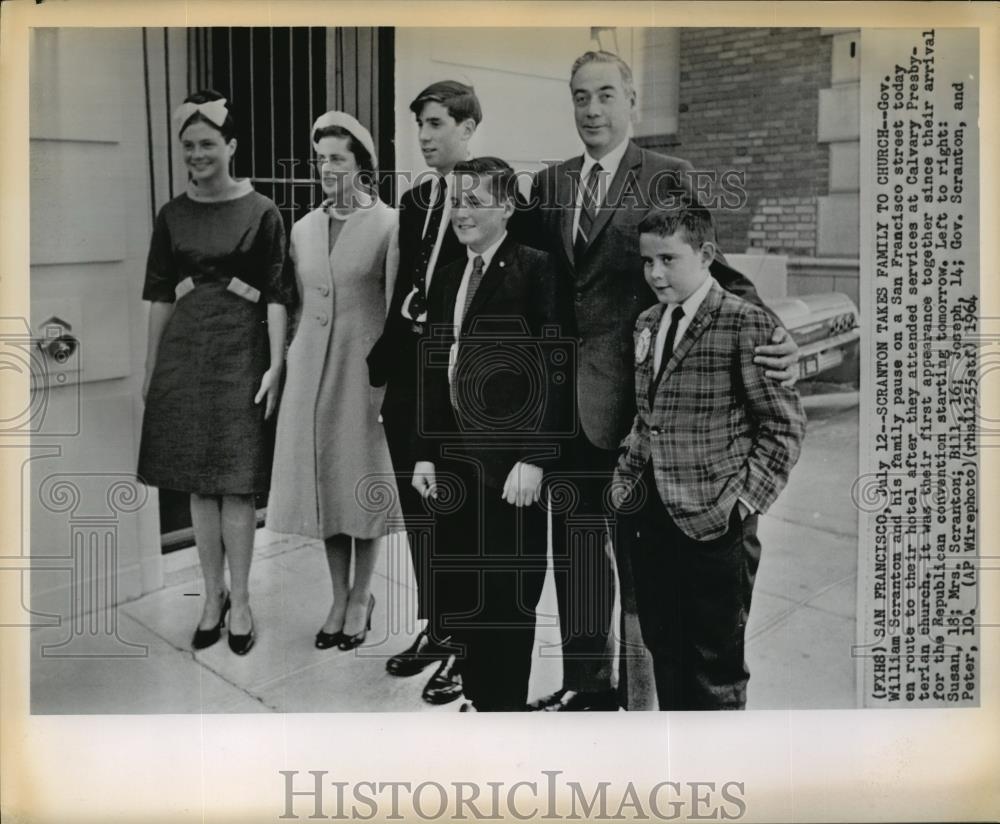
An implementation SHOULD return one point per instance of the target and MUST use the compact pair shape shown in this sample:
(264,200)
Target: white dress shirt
(449,183)
(609,163)
(463,289)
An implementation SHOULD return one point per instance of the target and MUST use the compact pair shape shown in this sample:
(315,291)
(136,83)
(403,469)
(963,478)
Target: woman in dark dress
(217,322)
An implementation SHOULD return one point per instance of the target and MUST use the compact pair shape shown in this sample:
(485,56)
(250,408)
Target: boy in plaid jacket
(711,447)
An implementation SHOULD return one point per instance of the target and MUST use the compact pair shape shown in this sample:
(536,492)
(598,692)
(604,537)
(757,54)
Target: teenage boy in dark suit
(447,114)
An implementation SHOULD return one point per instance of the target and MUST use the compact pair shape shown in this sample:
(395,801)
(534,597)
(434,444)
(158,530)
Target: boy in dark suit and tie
(489,423)
(711,446)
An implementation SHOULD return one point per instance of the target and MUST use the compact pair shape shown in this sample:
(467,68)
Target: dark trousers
(400,418)
(489,583)
(693,599)
(582,565)
(398,421)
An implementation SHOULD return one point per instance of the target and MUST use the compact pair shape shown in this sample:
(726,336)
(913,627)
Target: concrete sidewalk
(800,633)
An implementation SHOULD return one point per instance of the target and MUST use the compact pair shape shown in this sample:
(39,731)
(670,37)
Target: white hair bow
(215,111)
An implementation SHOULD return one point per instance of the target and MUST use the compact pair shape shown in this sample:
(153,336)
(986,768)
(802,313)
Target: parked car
(825,327)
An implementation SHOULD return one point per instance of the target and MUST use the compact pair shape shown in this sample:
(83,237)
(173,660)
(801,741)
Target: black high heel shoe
(352,641)
(325,640)
(242,644)
(206,637)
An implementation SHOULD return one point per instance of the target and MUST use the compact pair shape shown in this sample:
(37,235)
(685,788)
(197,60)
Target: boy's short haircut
(693,220)
(503,180)
(460,100)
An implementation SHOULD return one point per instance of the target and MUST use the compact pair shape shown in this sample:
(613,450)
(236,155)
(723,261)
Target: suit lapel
(644,372)
(567,184)
(632,159)
(699,323)
(446,285)
(492,278)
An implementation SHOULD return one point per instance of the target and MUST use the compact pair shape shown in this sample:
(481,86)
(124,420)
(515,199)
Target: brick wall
(749,101)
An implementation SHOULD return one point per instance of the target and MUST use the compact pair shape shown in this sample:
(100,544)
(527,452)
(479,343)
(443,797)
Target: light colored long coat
(332,473)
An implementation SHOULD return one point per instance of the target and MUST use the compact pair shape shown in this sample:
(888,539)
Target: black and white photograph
(372,375)
(346,591)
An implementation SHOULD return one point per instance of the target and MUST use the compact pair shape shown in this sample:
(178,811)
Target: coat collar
(699,323)
(503,259)
(317,221)
(708,309)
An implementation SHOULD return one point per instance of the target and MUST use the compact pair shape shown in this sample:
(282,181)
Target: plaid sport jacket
(716,429)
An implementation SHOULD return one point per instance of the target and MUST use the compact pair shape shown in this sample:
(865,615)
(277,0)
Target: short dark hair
(460,100)
(228,127)
(503,181)
(366,164)
(694,221)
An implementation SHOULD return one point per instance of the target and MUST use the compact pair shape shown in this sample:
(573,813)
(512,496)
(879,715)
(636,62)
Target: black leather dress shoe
(445,685)
(570,701)
(417,656)
(468,706)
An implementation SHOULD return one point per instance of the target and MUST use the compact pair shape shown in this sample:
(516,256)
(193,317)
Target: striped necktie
(588,210)
(475,278)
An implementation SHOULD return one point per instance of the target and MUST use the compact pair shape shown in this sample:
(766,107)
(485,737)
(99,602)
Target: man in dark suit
(712,444)
(585,212)
(447,113)
(492,412)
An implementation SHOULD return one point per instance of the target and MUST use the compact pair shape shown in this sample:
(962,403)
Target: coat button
(579,297)
(324,290)
(654,430)
(323,320)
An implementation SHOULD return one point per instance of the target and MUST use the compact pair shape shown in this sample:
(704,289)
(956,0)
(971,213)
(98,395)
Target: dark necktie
(475,278)
(588,210)
(668,346)
(418,303)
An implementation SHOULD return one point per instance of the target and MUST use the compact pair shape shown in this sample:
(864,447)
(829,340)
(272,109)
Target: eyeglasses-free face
(206,153)
(601,106)
(478,217)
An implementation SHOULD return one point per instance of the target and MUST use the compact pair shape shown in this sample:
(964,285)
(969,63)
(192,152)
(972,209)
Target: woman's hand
(270,387)
(779,357)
